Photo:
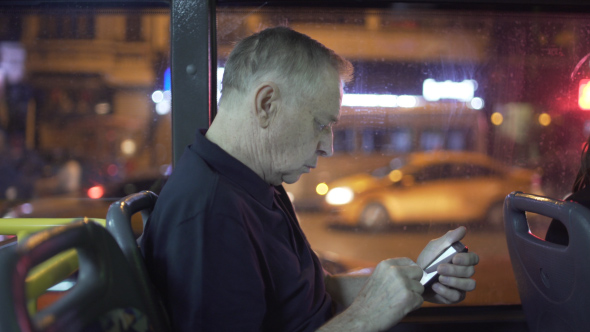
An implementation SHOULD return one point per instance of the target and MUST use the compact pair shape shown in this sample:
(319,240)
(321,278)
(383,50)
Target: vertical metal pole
(212,59)
(193,93)
(191,96)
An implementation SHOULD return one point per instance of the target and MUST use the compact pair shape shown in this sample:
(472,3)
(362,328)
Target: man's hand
(455,279)
(392,291)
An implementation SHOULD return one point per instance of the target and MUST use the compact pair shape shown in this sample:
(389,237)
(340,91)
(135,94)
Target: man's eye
(321,127)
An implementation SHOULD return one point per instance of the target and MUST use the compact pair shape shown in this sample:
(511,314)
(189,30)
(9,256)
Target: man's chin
(291,178)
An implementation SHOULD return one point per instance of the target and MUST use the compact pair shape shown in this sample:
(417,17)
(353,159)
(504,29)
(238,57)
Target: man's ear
(266,101)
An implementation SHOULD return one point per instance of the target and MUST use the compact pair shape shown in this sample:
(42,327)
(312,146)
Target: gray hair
(282,54)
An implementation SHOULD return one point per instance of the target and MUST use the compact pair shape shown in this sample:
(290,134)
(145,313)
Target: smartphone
(430,275)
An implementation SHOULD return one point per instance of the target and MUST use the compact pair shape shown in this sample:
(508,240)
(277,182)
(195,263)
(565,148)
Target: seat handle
(517,203)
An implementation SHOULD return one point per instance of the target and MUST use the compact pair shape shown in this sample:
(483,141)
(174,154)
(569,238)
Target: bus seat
(105,290)
(118,223)
(552,279)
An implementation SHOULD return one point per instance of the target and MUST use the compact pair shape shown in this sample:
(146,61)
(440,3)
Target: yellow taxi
(428,187)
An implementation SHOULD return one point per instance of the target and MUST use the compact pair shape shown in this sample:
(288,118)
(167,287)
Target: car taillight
(95,192)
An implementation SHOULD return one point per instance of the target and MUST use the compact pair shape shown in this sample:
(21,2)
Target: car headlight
(339,196)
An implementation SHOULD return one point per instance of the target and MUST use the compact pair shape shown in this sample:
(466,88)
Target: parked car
(429,187)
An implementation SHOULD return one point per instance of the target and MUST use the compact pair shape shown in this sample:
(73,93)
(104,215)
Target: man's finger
(449,295)
(453,270)
(462,284)
(413,272)
(402,261)
(454,235)
(466,258)
(417,287)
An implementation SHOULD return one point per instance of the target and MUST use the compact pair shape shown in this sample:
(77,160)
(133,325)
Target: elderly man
(281,95)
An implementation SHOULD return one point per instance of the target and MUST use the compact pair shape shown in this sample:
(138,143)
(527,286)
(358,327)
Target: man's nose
(325,145)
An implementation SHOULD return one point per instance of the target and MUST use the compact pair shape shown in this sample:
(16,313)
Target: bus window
(83,116)
(344,140)
(483,101)
(401,140)
(431,140)
(457,140)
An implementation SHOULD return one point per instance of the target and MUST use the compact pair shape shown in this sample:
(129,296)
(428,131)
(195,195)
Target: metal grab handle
(517,203)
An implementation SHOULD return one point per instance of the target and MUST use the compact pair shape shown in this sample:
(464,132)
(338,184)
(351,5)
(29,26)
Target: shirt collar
(233,169)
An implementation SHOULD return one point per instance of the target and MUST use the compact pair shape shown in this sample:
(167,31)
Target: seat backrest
(105,283)
(552,279)
(118,223)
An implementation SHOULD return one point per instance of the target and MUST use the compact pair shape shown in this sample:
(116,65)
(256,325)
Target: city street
(495,280)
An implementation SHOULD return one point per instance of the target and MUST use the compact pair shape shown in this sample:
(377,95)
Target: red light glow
(112,169)
(95,192)
(584,94)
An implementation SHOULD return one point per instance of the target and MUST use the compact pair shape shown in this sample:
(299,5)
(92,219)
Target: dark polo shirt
(258,270)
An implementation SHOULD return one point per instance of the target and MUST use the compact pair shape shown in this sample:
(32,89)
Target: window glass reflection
(446,115)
